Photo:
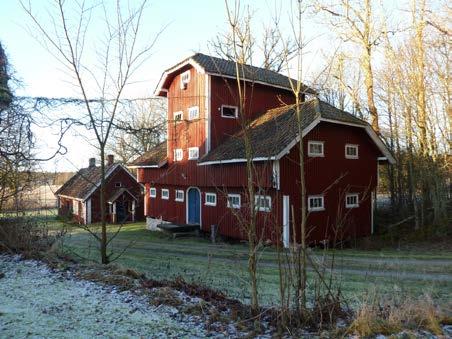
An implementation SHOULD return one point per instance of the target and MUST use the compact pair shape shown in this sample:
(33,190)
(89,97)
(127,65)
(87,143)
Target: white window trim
(192,149)
(152,192)
(197,114)
(183,83)
(75,207)
(175,154)
(230,106)
(211,203)
(235,196)
(312,142)
(165,190)
(263,208)
(347,205)
(348,156)
(179,199)
(316,209)
(181,113)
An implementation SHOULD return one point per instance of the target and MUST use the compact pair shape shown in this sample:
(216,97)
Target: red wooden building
(79,197)
(198,176)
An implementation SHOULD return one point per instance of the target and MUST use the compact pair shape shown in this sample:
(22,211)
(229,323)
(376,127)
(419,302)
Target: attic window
(178,154)
(178,116)
(315,149)
(351,151)
(193,153)
(184,79)
(193,113)
(118,184)
(229,111)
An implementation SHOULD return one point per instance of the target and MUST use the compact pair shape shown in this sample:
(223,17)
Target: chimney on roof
(92,162)
(110,159)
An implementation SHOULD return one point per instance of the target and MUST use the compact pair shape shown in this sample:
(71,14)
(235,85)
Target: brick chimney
(92,162)
(110,159)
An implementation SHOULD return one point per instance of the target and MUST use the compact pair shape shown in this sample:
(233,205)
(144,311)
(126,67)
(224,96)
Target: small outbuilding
(79,197)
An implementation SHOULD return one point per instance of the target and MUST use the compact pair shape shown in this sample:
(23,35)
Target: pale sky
(190,25)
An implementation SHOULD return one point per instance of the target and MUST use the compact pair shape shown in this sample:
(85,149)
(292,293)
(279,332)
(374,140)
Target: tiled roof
(227,68)
(272,132)
(83,182)
(219,66)
(154,157)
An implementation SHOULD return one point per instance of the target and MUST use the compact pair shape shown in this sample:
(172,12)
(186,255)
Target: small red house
(79,197)
(198,176)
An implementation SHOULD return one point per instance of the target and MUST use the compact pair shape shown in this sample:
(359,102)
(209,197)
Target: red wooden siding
(258,100)
(334,175)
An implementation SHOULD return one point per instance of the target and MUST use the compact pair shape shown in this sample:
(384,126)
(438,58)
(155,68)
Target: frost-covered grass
(223,266)
(36,302)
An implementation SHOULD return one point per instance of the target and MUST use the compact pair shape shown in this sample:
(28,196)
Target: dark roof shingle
(82,182)
(273,131)
(154,157)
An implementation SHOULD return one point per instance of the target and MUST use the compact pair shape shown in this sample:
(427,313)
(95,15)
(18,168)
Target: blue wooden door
(194,203)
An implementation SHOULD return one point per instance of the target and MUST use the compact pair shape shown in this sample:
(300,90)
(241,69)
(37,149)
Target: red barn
(198,176)
(79,197)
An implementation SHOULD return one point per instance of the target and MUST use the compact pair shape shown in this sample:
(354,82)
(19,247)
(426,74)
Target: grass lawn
(223,266)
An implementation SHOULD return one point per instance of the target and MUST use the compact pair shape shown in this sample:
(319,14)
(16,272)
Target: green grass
(223,266)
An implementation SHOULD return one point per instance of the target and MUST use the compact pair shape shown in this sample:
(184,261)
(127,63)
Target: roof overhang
(160,165)
(162,88)
(380,145)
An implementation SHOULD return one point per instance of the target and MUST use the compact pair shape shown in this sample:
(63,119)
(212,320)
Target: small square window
(316,203)
(152,192)
(211,199)
(315,148)
(179,195)
(193,153)
(184,79)
(165,193)
(234,201)
(178,154)
(118,184)
(263,203)
(351,151)
(352,200)
(178,116)
(229,111)
(193,113)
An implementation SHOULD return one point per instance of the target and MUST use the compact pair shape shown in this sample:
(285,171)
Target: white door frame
(200,205)
(286,221)
(88,211)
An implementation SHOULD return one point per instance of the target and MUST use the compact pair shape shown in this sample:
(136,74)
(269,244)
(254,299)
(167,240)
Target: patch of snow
(38,302)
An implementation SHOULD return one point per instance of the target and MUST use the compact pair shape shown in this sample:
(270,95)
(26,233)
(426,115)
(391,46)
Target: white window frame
(152,192)
(348,156)
(237,206)
(184,79)
(165,196)
(227,116)
(318,208)
(178,113)
(192,109)
(190,155)
(118,184)
(352,195)
(177,152)
(313,142)
(178,198)
(75,207)
(207,203)
(258,198)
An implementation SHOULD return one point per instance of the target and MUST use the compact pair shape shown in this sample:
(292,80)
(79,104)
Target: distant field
(223,266)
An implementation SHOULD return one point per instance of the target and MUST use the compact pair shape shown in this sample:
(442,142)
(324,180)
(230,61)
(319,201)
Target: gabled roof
(84,183)
(274,133)
(154,158)
(119,192)
(227,68)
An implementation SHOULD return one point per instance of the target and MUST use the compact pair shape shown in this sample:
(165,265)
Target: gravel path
(37,302)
